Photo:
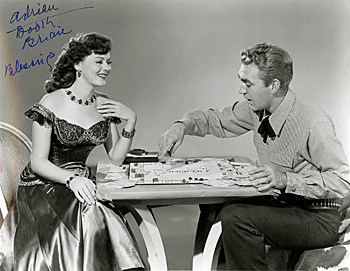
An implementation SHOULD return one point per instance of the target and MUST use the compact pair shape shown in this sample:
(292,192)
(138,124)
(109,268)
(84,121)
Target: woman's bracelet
(128,135)
(71,178)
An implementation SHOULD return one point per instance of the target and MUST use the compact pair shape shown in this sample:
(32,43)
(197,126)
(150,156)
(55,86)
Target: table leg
(151,236)
(208,216)
(212,248)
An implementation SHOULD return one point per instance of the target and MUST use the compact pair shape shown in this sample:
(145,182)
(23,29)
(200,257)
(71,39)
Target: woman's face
(95,69)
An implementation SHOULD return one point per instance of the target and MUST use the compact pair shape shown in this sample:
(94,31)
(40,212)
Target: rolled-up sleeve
(230,121)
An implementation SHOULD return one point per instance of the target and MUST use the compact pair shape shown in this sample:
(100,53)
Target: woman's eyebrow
(103,58)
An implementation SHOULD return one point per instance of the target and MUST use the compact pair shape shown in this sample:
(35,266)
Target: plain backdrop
(170,56)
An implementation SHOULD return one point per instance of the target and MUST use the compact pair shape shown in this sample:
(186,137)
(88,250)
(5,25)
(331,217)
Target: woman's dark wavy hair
(272,61)
(74,51)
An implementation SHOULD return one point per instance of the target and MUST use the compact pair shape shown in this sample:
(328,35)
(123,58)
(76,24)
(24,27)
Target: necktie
(265,129)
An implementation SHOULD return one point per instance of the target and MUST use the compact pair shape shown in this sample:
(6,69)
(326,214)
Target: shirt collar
(279,116)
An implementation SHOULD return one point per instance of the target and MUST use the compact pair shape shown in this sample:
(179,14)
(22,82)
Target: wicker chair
(15,149)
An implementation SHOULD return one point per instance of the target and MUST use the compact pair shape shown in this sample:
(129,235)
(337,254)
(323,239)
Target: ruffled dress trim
(41,115)
(45,117)
(75,134)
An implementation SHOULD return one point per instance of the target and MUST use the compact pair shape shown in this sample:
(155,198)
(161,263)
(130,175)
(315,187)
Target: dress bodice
(70,143)
(73,143)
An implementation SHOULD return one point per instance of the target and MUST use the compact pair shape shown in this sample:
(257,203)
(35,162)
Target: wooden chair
(15,149)
(335,257)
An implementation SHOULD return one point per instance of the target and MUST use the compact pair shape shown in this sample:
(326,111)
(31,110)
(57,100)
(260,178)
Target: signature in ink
(31,12)
(11,71)
(38,25)
(21,31)
(32,42)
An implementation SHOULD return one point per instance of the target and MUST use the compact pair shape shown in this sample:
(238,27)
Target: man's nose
(242,90)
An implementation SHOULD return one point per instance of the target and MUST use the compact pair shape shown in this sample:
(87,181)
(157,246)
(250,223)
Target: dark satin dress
(49,229)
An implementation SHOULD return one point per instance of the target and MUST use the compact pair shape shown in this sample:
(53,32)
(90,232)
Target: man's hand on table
(266,177)
(171,139)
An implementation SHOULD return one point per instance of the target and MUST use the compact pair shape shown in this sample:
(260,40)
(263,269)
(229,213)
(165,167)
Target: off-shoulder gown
(48,228)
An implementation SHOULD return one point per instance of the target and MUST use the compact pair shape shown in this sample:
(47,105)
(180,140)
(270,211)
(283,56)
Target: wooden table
(140,200)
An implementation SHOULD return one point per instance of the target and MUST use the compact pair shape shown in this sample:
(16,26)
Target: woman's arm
(83,188)
(41,140)
(117,146)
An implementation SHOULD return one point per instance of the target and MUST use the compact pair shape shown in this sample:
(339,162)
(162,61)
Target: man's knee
(232,213)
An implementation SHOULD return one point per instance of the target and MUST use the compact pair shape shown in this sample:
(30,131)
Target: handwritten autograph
(31,12)
(18,66)
(39,25)
(31,33)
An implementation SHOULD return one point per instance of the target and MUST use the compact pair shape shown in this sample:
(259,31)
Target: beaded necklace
(80,101)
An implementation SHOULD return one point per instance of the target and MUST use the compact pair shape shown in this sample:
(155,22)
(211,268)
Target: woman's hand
(84,189)
(109,108)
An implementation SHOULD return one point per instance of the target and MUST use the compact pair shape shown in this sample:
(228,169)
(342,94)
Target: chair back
(15,150)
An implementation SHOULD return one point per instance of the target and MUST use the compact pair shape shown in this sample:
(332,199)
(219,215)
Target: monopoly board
(188,171)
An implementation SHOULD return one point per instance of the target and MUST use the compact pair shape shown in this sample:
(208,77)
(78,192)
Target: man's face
(253,88)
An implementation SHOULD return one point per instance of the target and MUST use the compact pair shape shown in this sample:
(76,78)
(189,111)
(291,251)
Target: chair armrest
(346,203)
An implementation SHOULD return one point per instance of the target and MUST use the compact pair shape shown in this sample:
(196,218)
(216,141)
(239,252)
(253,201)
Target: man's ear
(275,86)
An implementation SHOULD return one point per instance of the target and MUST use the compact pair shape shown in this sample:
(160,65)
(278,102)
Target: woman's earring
(79,73)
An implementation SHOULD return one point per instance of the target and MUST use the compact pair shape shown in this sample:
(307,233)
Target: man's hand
(265,177)
(171,139)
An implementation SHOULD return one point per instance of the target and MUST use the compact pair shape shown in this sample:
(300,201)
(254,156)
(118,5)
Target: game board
(221,172)
(174,171)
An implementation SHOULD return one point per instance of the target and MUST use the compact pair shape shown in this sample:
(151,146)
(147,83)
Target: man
(299,155)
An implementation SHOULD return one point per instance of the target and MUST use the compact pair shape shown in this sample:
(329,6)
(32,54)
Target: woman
(59,224)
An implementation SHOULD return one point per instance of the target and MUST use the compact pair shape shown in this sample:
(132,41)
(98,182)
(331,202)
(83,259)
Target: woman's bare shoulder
(52,100)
